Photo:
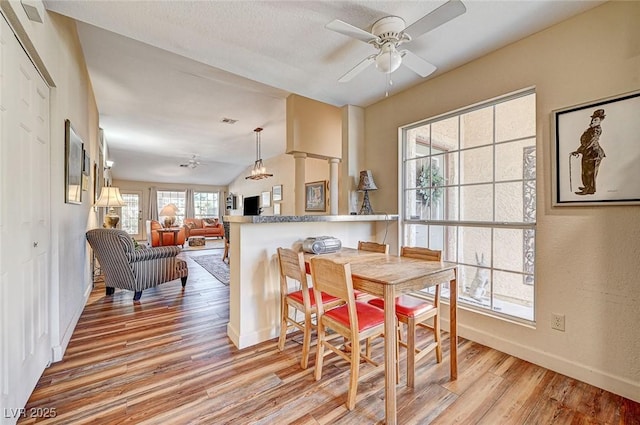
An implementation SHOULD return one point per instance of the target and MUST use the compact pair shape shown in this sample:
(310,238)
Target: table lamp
(169,212)
(109,198)
(365,185)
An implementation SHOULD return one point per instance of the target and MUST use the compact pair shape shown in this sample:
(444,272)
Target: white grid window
(206,204)
(469,187)
(178,198)
(131,213)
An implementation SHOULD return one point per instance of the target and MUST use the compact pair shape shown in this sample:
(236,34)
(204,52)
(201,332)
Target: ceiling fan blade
(417,64)
(349,30)
(437,17)
(357,69)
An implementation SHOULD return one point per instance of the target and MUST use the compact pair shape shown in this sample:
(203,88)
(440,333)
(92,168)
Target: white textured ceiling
(165,73)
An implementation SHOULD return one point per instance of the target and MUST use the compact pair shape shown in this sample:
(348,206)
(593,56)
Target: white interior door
(25,348)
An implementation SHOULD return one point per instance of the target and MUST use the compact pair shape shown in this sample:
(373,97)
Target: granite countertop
(307,218)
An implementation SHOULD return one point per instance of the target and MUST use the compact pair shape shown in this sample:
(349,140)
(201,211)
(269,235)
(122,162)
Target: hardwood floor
(167,360)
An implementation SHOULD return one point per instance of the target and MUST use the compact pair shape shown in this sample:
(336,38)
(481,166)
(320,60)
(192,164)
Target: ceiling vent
(229,121)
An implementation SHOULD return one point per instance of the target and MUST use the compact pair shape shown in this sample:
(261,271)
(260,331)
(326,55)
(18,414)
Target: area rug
(213,264)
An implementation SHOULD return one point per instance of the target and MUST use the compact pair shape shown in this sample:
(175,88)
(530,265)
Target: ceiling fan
(192,163)
(389,33)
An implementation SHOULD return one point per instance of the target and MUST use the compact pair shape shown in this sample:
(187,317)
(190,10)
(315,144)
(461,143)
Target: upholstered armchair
(126,267)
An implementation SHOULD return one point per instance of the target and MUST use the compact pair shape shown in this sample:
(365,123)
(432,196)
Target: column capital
(334,160)
(299,155)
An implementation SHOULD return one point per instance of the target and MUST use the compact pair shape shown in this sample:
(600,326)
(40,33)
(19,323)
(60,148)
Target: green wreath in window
(430,182)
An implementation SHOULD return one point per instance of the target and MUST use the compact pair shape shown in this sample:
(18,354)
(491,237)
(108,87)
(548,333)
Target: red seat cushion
(406,305)
(368,315)
(326,298)
(358,294)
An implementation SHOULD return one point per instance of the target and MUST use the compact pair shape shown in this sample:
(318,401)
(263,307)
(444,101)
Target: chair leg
(184,281)
(137,295)
(436,336)
(110,290)
(306,342)
(284,312)
(353,379)
(411,351)
(319,351)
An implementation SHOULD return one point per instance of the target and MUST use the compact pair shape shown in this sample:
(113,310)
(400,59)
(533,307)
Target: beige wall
(313,127)
(587,258)
(55,49)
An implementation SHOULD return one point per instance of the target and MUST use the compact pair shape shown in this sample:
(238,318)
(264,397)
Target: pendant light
(259,171)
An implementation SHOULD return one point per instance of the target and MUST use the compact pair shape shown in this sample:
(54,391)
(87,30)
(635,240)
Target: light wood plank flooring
(167,360)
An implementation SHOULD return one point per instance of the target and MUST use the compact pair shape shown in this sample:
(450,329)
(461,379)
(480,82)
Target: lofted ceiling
(167,73)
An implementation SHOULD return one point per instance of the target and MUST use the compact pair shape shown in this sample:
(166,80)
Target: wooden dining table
(388,276)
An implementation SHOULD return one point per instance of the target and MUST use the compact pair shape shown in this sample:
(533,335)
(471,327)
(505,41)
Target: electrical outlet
(557,322)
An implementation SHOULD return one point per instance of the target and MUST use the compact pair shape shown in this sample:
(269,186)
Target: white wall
(587,258)
(56,51)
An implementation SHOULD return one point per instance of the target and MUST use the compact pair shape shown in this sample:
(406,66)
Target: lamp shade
(169,210)
(110,197)
(366,181)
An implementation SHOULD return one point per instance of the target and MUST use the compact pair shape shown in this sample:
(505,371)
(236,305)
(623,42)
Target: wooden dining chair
(301,301)
(355,321)
(382,248)
(413,312)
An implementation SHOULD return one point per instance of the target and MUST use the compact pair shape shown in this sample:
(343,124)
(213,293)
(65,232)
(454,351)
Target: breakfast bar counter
(254,289)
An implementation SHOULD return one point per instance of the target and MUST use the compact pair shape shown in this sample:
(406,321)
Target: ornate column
(333,186)
(300,175)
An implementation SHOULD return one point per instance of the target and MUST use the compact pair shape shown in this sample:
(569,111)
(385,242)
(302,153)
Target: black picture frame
(315,196)
(596,151)
(74,148)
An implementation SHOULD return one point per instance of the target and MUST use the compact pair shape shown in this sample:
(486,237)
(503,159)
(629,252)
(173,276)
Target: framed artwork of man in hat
(586,175)
(592,153)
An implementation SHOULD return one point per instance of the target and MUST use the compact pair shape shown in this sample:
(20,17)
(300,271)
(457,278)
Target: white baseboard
(249,339)
(57,351)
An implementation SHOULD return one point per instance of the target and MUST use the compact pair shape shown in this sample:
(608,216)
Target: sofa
(153,236)
(207,227)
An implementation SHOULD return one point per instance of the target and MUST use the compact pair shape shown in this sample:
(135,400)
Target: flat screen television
(251,205)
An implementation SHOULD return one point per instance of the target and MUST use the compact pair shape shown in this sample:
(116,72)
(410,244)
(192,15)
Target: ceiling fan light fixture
(259,171)
(389,59)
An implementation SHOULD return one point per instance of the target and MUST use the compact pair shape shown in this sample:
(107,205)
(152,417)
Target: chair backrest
(373,247)
(111,247)
(227,230)
(292,266)
(334,278)
(421,253)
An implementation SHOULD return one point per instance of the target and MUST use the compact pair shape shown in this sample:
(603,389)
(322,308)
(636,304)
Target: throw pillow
(208,220)
(191,225)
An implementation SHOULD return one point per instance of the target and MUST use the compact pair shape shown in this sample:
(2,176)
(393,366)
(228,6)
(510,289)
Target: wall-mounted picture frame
(86,163)
(276,209)
(73,148)
(265,199)
(315,196)
(277,192)
(596,151)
